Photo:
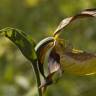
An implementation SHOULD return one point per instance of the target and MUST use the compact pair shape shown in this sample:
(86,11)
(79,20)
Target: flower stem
(36,71)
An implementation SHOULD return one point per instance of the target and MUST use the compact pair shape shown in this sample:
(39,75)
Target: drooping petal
(53,61)
(41,50)
(65,22)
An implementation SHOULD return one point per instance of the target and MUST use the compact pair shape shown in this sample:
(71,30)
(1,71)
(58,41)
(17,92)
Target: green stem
(37,77)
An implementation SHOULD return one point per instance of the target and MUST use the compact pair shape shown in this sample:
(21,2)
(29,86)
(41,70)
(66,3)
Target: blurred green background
(39,18)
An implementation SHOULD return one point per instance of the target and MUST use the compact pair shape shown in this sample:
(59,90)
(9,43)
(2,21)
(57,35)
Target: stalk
(36,71)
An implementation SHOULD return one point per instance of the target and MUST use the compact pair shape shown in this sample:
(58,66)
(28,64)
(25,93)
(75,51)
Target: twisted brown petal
(67,21)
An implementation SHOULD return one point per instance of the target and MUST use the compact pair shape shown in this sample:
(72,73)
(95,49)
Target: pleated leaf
(21,40)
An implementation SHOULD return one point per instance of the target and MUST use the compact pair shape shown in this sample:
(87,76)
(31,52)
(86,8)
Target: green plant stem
(36,71)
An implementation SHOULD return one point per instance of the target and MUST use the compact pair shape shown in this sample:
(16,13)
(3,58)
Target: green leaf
(21,40)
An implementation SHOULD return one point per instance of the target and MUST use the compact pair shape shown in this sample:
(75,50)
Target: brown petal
(67,21)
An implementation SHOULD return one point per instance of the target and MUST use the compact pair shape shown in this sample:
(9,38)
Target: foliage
(16,76)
